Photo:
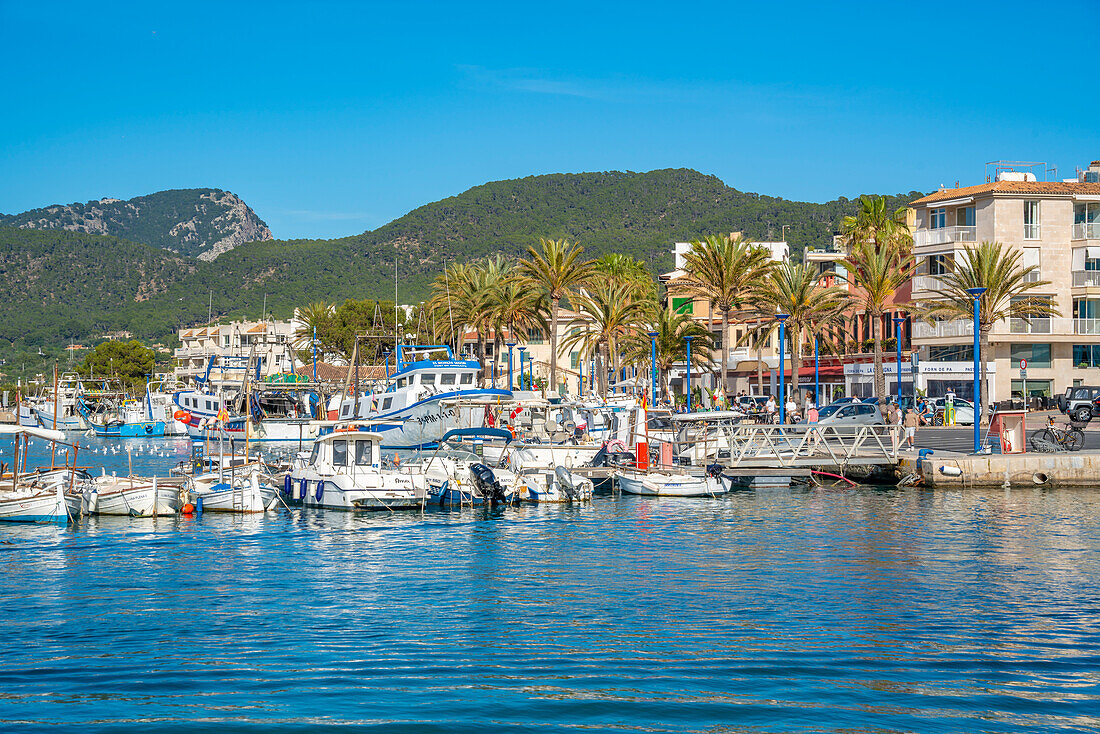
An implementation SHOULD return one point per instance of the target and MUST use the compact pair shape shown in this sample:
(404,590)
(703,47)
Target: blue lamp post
(898,321)
(976,294)
(817,375)
(688,340)
(782,318)
(314,345)
(386,354)
(522,352)
(510,346)
(653,366)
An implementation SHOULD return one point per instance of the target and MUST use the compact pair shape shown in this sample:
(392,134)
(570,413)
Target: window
(964,216)
(1085,355)
(340,453)
(1035,388)
(1037,355)
(1031,220)
(683,305)
(209,405)
(534,336)
(574,360)
(428,378)
(467,378)
(717,337)
(316,452)
(387,403)
(225,340)
(938,219)
(951,353)
(363,453)
(940,264)
(447,378)
(402,382)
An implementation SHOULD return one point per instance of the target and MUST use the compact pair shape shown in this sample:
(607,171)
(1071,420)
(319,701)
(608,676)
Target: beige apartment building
(1055,225)
(270,340)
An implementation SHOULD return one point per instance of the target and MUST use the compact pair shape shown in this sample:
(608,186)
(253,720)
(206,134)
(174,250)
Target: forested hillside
(199,223)
(66,285)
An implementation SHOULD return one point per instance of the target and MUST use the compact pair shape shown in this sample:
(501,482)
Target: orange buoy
(188,509)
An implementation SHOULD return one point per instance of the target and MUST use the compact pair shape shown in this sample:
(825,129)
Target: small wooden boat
(244,489)
(662,484)
(131,496)
(40,495)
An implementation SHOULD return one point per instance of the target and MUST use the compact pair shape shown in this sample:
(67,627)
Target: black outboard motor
(715,470)
(604,457)
(487,483)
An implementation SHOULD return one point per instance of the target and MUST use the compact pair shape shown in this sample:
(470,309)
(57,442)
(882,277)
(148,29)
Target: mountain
(75,285)
(202,223)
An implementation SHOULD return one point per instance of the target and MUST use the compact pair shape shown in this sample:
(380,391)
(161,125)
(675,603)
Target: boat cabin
(419,375)
(342,451)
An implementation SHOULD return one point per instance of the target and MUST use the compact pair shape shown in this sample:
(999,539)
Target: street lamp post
(898,321)
(976,294)
(522,352)
(510,346)
(688,340)
(782,355)
(653,366)
(817,375)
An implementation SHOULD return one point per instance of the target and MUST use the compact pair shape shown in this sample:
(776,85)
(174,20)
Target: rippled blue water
(866,610)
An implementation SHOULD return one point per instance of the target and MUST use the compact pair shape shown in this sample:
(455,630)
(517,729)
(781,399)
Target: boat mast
(53,449)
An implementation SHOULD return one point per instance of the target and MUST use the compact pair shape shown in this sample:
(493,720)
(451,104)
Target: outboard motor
(566,482)
(715,470)
(604,457)
(487,483)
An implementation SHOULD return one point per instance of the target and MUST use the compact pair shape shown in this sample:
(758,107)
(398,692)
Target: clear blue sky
(333,118)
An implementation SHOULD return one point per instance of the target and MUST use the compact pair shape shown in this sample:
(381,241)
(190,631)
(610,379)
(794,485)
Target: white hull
(670,485)
(245,493)
(367,491)
(556,486)
(116,497)
(43,505)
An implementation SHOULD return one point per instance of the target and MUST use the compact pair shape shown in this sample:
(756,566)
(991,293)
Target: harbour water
(836,610)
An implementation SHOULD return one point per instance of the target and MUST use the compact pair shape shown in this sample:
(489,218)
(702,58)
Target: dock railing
(812,445)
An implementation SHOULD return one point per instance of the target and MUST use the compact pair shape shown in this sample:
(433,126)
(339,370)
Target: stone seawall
(961,471)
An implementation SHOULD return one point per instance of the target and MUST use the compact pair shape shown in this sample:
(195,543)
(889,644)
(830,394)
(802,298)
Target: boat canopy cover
(484,433)
(46,433)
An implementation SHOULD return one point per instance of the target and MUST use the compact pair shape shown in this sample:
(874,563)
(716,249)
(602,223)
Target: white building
(270,341)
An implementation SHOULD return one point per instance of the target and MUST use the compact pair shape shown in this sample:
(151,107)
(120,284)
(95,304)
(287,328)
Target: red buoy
(188,509)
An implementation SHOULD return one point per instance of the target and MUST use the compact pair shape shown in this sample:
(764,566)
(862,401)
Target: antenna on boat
(396,333)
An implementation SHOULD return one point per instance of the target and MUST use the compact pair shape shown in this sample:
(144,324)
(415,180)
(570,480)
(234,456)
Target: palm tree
(671,328)
(795,291)
(556,269)
(314,318)
(625,269)
(453,302)
(877,271)
(605,315)
(876,224)
(723,271)
(515,307)
(1007,294)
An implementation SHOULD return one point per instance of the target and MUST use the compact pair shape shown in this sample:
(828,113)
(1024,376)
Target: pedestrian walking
(912,421)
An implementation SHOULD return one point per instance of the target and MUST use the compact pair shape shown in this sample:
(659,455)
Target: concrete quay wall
(962,471)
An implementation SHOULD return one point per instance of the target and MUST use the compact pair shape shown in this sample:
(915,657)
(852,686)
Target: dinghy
(663,484)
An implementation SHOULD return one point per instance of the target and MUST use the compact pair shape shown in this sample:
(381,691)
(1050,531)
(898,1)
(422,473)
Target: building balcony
(1028,326)
(928,283)
(1086,231)
(1086,326)
(1086,278)
(944,235)
(943,329)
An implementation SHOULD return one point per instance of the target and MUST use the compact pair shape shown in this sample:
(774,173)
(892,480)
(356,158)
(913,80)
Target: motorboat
(248,488)
(670,484)
(456,476)
(345,471)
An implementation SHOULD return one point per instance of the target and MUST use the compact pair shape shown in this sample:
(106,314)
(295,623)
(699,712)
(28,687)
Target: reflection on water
(866,610)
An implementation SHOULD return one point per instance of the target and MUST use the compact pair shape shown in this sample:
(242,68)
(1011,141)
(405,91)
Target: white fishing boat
(37,496)
(67,415)
(346,472)
(663,484)
(424,398)
(455,476)
(131,496)
(243,489)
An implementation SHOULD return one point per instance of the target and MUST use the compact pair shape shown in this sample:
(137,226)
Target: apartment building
(270,340)
(1055,225)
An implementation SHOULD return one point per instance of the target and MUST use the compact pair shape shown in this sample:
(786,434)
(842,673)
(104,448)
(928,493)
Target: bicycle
(1058,438)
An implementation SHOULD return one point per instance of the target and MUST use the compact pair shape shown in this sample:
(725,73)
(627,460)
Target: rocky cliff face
(202,223)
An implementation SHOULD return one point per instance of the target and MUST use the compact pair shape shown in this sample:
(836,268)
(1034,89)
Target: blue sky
(333,118)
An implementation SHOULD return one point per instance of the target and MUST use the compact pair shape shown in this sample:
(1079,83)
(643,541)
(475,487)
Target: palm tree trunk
(796,361)
(616,361)
(725,349)
(554,302)
(880,378)
(983,345)
(759,366)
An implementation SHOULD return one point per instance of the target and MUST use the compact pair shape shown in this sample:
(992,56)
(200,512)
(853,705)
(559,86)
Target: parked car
(850,414)
(964,411)
(845,401)
(1080,403)
(751,403)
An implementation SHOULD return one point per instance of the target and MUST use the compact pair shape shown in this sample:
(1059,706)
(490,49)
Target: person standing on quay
(912,421)
(949,408)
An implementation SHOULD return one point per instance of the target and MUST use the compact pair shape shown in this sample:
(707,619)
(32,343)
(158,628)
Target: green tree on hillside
(131,362)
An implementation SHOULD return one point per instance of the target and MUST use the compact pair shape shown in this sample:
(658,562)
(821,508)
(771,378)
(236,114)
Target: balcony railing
(1086,326)
(1086,278)
(928,283)
(925,330)
(943,235)
(1086,231)
(1031,231)
(1033,276)
(1029,326)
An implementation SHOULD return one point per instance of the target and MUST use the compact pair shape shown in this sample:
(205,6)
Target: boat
(131,496)
(557,485)
(36,496)
(111,413)
(453,475)
(345,472)
(243,489)
(667,484)
(66,416)
(429,393)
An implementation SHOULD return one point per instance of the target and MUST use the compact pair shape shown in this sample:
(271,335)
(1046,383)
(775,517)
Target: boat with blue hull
(113,414)
(429,394)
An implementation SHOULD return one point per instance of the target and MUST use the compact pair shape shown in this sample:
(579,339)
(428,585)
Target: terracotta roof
(257,329)
(1062,188)
(338,373)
